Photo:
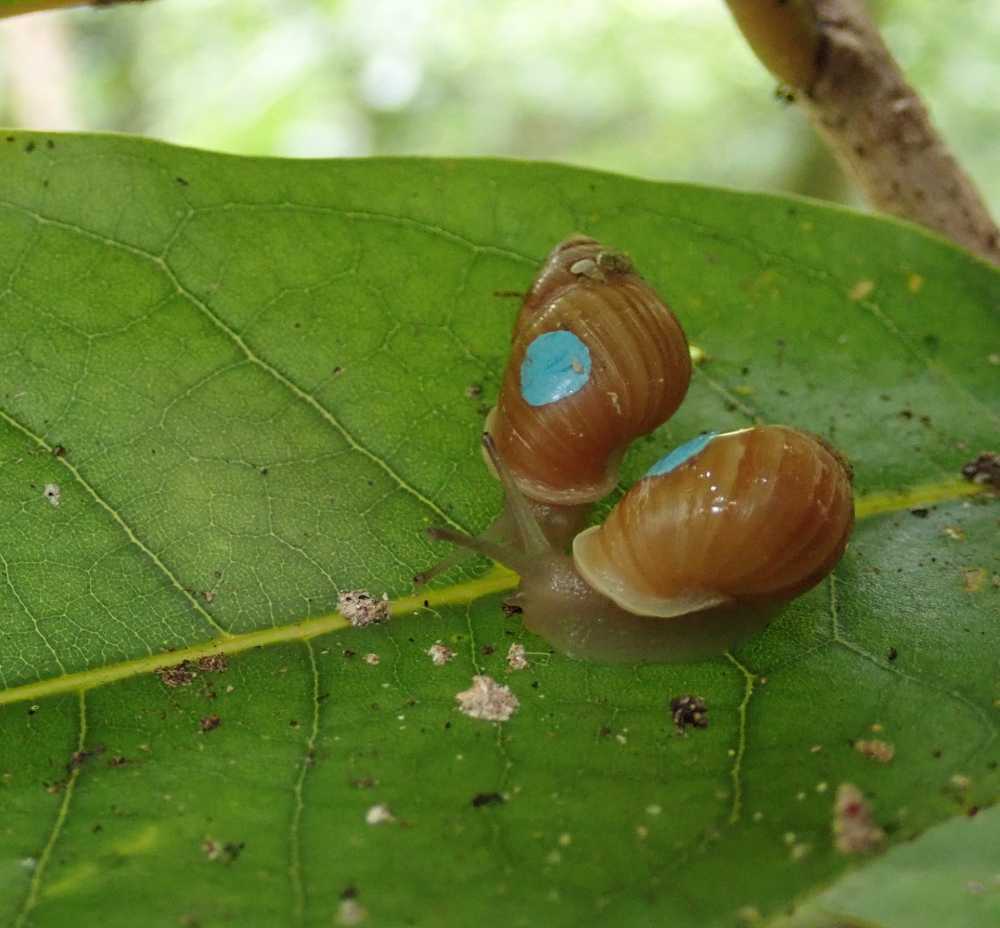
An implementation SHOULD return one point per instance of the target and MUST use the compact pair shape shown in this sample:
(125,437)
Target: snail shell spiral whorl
(755,516)
(598,359)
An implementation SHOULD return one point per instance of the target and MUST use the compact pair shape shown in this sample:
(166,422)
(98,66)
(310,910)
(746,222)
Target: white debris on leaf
(350,913)
(379,815)
(360,608)
(53,494)
(853,830)
(373,659)
(440,654)
(516,658)
(876,750)
(487,700)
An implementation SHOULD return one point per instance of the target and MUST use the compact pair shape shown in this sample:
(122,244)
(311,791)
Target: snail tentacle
(532,537)
(517,561)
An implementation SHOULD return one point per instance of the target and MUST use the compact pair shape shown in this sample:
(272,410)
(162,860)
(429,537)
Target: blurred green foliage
(658,88)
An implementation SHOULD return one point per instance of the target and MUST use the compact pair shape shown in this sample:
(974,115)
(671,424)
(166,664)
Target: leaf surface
(947,878)
(250,381)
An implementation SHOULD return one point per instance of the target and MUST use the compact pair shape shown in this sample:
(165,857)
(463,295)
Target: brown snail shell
(568,449)
(697,557)
(628,368)
(756,516)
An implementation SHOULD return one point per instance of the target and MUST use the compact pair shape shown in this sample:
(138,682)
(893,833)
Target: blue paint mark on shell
(556,365)
(679,455)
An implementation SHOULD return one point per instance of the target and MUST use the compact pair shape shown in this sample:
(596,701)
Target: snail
(699,555)
(597,359)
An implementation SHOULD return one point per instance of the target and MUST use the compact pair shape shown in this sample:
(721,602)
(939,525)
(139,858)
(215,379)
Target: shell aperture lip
(605,577)
(556,365)
(679,455)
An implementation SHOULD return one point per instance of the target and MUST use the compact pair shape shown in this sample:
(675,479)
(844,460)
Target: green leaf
(249,380)
(948,878)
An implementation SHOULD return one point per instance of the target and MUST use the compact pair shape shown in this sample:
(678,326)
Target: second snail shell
(751,517)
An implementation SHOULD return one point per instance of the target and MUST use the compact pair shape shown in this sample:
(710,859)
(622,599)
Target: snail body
(597,360)
(697,557)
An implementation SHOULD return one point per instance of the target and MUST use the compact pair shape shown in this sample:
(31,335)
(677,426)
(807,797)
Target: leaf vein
(295,839)
(122,524)
(731,398)
(736,771)
(29,613)
(252,356)
(839,638)
(31,900)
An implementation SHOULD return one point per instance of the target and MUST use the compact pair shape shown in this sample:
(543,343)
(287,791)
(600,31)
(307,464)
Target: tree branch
(841,73)
(20,7)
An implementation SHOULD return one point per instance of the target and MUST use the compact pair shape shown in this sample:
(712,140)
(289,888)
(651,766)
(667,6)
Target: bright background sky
(658,88)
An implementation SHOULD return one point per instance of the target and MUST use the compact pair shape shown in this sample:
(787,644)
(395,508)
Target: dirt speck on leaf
(688,710)
(861,289)
(440,654)
(509,608)
(487,700)
(360,608)
(224,852)
(984,470)
(516,658)
(876,750)
(379,815)
(53,494)
(853,830)
(974,579)
(209,723)
(80,756)
(350,913)
(178,675)
(487,799)
(213,663)
(698,355)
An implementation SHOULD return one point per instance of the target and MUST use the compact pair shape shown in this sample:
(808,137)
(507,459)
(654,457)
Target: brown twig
(21,7)
(833,59)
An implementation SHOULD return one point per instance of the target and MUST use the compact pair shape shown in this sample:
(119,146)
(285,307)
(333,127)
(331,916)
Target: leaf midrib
(497,581)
